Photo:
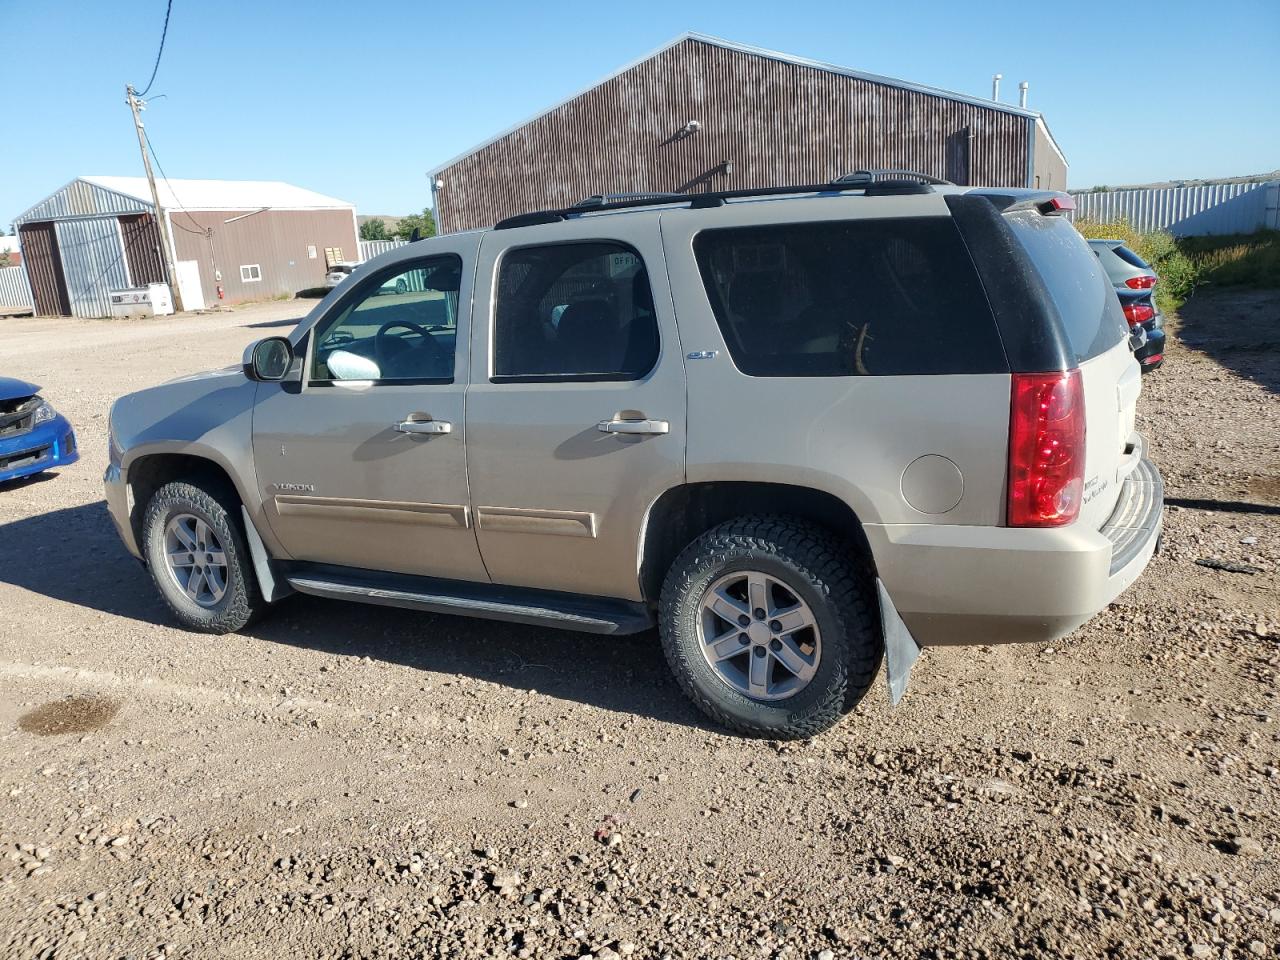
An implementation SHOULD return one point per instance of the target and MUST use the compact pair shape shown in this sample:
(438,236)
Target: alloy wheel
(758,635)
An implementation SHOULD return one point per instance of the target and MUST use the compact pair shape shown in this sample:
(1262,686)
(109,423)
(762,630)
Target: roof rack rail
(699,201)
(599,199)
(869,176)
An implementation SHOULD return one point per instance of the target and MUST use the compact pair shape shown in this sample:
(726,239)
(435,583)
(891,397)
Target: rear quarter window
(1129,257)
(1090,310)
(849,298)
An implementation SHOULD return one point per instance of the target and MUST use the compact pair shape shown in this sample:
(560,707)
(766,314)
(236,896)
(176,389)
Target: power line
(163,33)
(202,231)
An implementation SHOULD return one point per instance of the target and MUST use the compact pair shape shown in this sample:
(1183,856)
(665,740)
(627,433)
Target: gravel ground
(347,781)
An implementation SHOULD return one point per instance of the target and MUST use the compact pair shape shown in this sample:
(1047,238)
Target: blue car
(33,436)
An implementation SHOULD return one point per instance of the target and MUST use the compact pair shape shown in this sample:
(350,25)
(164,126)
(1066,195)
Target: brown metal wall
(1050,171)
(777,122)
(276,240)
(44,270)
(142,249)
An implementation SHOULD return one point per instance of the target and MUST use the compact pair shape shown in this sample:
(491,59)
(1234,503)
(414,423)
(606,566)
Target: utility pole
(166,246)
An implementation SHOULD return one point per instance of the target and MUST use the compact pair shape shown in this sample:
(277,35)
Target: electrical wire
(201,231)
(163,33)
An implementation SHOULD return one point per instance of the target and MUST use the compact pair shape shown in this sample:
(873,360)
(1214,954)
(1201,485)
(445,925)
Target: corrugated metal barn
(252,239)
(704,114)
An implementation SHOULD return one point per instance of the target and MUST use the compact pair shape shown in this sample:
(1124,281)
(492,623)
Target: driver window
(399,324)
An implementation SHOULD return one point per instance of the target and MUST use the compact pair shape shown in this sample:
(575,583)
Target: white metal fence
(371,248)
(14,289)
(1214,208)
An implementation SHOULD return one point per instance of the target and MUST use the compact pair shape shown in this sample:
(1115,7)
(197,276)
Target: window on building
(849,298)
(399,324)
(250,273)
(574,311)
(311,251)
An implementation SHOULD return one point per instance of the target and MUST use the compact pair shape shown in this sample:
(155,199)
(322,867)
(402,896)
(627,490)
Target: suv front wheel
(770,626)
(199,560)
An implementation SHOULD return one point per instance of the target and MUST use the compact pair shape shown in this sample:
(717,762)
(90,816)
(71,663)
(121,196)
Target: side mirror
(268,359)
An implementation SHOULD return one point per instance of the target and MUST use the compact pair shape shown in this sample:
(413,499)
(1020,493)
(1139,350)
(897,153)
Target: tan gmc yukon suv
(792,428)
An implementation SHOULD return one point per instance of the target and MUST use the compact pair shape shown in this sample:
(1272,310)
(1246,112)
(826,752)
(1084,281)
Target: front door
(576,408)
(363,463)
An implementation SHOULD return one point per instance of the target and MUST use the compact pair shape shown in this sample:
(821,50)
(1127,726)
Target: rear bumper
(51,444)
(977,585)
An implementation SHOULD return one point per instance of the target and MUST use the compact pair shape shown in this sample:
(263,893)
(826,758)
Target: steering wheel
(384,353)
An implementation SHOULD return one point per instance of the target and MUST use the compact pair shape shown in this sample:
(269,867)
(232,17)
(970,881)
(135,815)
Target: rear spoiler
(1047,202)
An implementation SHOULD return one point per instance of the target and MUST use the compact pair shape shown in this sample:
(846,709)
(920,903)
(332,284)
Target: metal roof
(771,55)
(89,196)
(222,194)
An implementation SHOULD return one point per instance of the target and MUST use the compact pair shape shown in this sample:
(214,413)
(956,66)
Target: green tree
(425,224)
(374,229)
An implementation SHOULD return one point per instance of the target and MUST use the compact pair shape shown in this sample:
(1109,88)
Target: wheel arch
(151,468)
(685,512)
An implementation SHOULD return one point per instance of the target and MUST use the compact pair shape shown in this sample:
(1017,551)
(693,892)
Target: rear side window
(849,298)
(1129,257)
(573,311)
(1090,310)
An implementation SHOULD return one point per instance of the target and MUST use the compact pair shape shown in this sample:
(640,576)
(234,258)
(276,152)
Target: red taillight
(1062,202)
(1141,283)
(1137,313)
(1046,449)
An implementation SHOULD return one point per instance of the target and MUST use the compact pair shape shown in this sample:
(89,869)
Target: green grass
(1242,259)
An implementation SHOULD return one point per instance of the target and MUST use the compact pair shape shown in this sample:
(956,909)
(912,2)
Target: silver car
(792,428)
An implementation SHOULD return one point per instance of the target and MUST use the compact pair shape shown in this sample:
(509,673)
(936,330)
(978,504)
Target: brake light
(1057,204)
(1137,313)
(1046,449)
(1141,283)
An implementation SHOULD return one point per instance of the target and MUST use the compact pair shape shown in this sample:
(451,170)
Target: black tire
(242,603)
(817,567)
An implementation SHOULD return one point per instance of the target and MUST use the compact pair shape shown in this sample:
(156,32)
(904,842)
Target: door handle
(634,427)
(434,427)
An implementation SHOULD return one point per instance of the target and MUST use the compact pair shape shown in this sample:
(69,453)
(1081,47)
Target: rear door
(576,409)
(1099,338)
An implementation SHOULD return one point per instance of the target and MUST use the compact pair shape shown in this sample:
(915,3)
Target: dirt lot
(350,781)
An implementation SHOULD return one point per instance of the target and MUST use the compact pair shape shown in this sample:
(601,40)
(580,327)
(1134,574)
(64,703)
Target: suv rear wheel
(770,627)
(199,560)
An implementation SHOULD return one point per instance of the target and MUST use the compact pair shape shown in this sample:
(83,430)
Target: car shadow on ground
(1239,328)
(74,555)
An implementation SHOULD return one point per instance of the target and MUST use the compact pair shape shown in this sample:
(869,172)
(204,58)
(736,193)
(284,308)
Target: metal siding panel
(39,245)
(14,289)
(142,249)
(81,199)
(778,122)
(92,262)
(1214,208)
(372,248)
(276,240)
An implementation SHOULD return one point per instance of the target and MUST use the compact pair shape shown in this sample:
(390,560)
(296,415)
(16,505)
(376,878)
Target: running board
(544,608)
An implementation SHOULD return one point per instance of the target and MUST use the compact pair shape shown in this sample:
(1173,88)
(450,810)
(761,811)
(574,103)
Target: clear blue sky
(360,99)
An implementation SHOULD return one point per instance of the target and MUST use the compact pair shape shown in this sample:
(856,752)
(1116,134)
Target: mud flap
(900,648)
(272,589)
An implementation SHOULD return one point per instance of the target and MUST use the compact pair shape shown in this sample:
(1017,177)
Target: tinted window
(581,311)
(1131,258)
(849,298)
(397,324)
(1090,310)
